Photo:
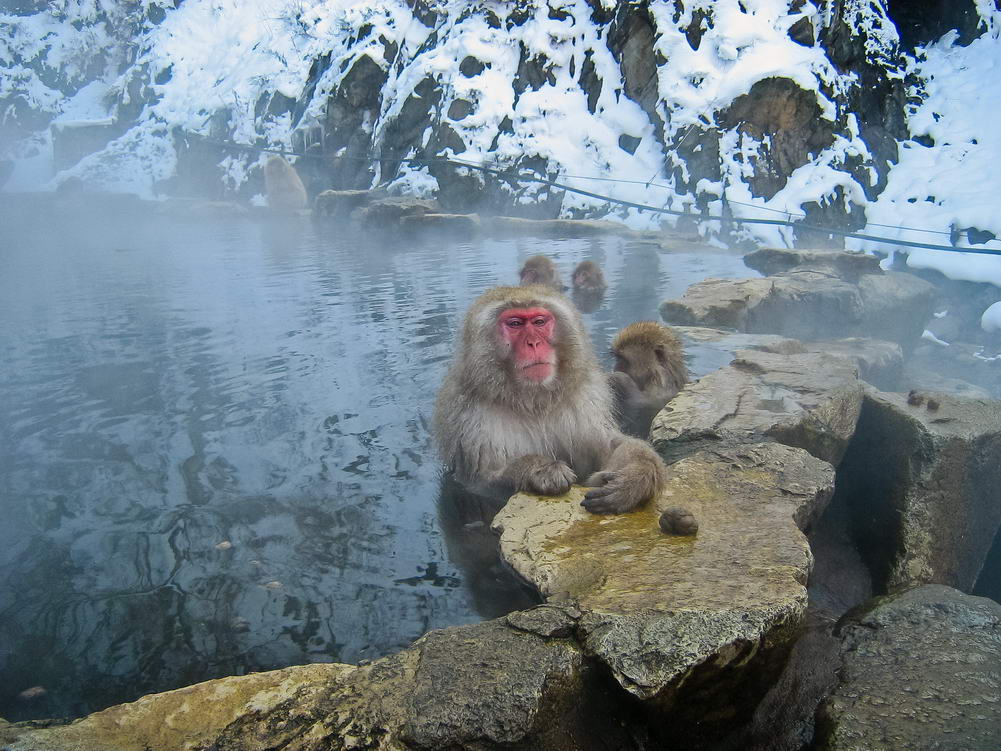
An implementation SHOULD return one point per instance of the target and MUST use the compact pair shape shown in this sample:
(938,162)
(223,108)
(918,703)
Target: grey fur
(498,433)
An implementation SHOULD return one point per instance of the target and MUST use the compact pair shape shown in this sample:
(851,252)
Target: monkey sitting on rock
(649,372)
(285,191)
(525,406)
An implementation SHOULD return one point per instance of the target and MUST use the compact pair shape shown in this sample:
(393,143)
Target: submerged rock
(921,670)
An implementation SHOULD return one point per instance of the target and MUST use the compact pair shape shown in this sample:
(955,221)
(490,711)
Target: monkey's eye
(540,321)
(514,322)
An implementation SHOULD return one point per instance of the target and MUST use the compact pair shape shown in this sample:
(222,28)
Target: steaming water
(214,445)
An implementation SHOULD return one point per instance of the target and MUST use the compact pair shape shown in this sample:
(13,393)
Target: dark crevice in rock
(919,22)
(631,39)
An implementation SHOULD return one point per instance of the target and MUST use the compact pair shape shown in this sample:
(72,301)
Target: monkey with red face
(525,406)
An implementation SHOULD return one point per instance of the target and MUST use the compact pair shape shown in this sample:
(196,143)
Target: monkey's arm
(633,474)
(629,396)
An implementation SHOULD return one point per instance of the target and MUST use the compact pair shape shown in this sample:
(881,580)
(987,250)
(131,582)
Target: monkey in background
(525,406)
(649,372)
(588,286)
(285,191)
(587,277)
(540,270)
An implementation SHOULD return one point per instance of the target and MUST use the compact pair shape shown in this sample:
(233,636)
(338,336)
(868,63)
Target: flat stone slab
(454,223)
(879,362)
(512,225)
(708,349)
(922,671)
(843,263)
(654,607)
(809,304)
(810,400)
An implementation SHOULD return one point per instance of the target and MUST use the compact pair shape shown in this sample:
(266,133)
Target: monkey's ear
(661,355)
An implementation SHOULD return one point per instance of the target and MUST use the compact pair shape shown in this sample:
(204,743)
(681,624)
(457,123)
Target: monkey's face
(640,363)
(525,339)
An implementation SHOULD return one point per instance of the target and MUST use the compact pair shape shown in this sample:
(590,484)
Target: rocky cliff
(792,106)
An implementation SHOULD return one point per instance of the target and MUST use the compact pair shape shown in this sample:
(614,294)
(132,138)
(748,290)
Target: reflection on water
(214,446)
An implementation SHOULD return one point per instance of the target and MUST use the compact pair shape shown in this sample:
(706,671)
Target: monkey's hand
(537,474)
(618,491)
(623,386)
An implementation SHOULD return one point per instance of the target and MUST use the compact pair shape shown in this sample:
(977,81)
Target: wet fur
(498,433)
(650,371)
(587,277)
(540,270)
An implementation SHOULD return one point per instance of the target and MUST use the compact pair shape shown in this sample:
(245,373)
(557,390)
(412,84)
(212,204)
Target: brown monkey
(525,406)
(649,371)
(284,188)
(540,270)
(587,277)
(588,286)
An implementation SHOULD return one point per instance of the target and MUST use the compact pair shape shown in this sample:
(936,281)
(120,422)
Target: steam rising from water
(214,447)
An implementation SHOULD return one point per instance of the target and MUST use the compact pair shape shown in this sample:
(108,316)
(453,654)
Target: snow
(209,57)
(991,319)
(953,184)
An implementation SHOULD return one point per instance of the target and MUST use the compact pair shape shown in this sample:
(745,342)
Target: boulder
(563,228)
(807,400)
(718,303)
(921,478)
(484,686)
(386,213)
(828,294)
(340,203)
(879,362)
(842,264)
(456,224)
(924,370)
(921,670)
(693,626)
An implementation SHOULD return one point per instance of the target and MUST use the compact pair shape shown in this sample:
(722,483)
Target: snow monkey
(587,277)
(526,406)
(649,371)
(284,188)
(540,270)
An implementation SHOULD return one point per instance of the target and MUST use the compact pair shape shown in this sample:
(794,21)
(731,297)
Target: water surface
(214,444)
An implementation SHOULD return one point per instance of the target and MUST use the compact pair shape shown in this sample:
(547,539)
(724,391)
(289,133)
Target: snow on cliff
(211,66)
